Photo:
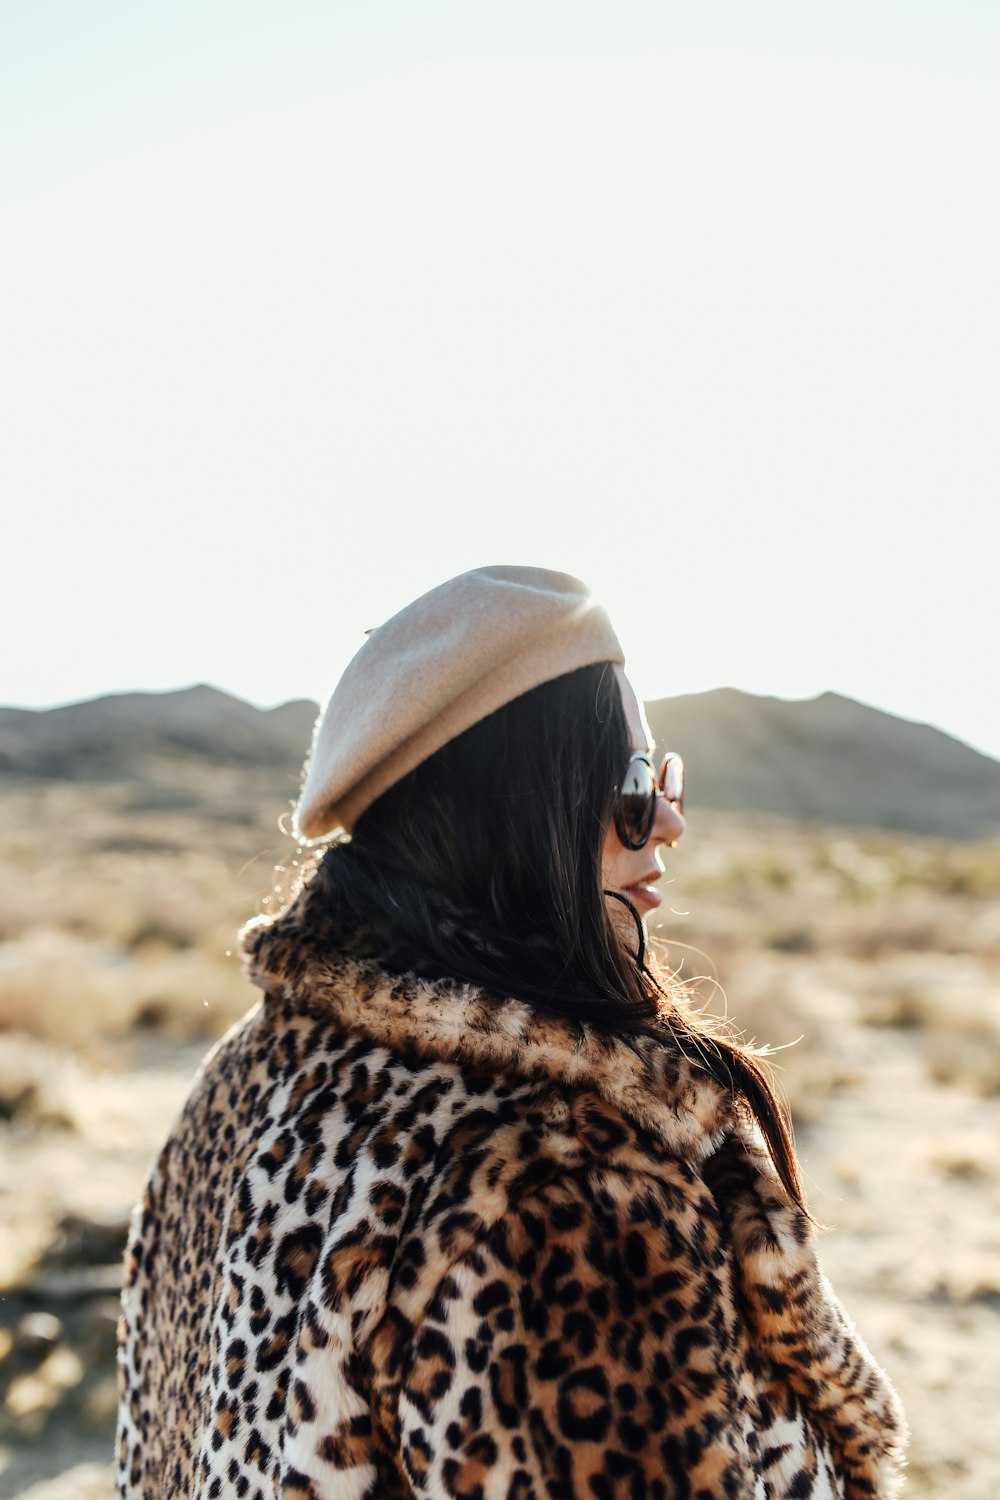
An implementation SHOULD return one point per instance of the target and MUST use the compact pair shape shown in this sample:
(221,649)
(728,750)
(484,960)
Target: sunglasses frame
(627,835)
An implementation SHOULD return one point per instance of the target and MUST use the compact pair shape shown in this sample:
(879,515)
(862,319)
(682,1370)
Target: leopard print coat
(407,1240)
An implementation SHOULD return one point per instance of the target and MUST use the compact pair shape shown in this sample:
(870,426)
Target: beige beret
(444,662)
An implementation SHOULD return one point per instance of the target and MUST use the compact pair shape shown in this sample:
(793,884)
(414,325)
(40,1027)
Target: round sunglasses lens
(637,800)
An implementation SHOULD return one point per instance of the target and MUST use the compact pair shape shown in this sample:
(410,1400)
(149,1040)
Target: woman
(474,1205)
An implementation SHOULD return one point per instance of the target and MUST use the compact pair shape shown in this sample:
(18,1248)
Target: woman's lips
(643,893)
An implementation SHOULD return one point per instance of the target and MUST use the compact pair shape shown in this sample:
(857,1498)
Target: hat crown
(441,664)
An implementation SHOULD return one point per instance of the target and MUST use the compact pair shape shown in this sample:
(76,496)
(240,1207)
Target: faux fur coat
(406,1240)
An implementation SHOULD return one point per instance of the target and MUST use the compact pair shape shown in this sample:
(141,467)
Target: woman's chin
(623,916)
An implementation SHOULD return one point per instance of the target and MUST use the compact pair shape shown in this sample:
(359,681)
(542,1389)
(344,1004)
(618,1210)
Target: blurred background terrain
(307,308)
(852,911)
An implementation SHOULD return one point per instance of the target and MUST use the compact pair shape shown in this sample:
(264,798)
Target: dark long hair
(484,865)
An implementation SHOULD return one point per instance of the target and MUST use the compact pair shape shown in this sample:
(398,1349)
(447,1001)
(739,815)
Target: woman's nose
(668,824)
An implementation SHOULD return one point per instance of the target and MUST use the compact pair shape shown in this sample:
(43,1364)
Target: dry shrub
(968,870)
(952,1004)
(967,1157)
(971,1278)
(63,988)
(34,1083)
(965,1060)
(112,917)
(117,897)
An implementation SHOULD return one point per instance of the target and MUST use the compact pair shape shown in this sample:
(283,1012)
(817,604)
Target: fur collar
(662,1091)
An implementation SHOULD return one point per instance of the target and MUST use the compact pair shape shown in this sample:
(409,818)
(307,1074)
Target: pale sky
(305,308)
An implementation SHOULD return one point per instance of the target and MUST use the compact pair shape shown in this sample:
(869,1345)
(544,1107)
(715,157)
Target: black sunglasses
(635,809)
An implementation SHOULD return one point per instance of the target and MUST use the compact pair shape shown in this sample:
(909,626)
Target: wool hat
(446,661)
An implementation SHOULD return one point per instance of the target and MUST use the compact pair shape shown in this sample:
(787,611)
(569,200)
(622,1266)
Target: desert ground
(872,961)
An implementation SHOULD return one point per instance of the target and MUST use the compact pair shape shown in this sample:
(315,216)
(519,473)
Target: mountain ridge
(827,758)
(830,759)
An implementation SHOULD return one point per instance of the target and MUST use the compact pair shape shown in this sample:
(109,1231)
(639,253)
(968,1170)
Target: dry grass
(112,920)
(876,957)
(815,933)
